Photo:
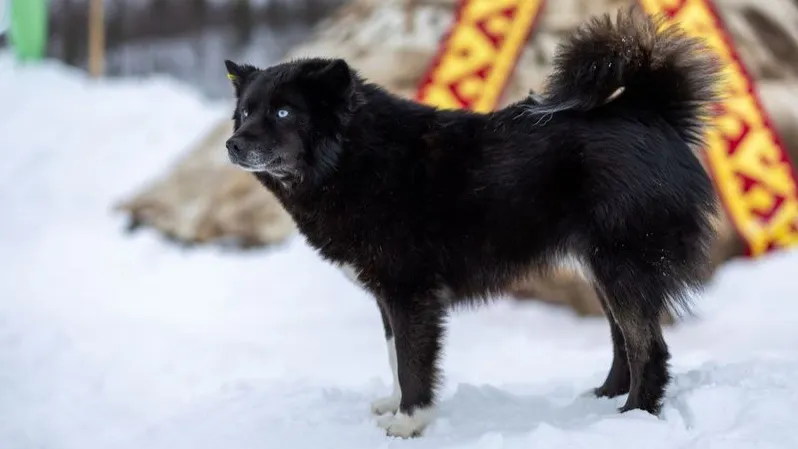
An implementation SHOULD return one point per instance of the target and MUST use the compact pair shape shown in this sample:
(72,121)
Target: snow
(110,340)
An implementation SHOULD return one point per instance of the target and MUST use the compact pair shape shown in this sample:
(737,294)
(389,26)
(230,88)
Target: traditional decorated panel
(750,166)
(478,54)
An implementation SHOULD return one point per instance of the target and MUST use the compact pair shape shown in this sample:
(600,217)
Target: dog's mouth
(250,167)
(275,167)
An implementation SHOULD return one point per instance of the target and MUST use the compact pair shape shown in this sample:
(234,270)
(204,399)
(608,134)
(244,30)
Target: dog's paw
(612,389)
(404,425)
(389,404)
(591,393)
(601,392)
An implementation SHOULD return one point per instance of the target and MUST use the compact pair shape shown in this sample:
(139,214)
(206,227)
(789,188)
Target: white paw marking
(406,426)
(385,420)
(390,404)
(396,423)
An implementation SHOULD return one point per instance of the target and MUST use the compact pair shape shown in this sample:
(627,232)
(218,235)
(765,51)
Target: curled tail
(638,61)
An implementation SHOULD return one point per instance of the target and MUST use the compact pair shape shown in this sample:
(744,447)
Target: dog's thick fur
(429,208)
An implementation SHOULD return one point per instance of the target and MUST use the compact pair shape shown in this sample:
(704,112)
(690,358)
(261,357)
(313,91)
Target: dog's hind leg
(636,293)
(389,404)
(417,326)
(617,382)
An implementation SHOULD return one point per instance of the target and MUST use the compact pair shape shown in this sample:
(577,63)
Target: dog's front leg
(389,404)
(417,326)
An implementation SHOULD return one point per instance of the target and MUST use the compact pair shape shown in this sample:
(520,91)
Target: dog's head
(289,118)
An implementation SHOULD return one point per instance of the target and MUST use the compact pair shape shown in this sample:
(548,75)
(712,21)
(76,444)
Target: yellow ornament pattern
(751,169)
(478,54)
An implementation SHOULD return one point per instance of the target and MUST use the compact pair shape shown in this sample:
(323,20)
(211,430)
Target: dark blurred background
(187,39)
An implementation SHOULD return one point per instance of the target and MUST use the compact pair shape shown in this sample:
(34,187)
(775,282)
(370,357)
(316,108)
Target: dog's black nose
(233,146)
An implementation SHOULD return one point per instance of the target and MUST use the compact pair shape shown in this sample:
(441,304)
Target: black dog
(429,208)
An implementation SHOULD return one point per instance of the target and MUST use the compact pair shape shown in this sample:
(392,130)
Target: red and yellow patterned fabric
(750,166)
(479,53)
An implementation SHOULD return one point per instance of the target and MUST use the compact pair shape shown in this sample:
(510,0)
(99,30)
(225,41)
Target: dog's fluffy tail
(638,61)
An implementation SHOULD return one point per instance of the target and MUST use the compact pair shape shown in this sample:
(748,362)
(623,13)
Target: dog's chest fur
(375,232)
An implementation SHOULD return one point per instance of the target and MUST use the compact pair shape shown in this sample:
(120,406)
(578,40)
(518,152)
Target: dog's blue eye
(244,113)
(282,113)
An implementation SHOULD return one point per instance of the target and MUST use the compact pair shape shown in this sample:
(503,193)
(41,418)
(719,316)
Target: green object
(28,30)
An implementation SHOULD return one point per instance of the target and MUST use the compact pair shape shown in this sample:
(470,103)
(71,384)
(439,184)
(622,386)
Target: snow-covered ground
(115,341)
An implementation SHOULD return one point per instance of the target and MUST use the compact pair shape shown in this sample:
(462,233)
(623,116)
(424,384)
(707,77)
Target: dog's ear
(334,85)
(238,73)
(335,76)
